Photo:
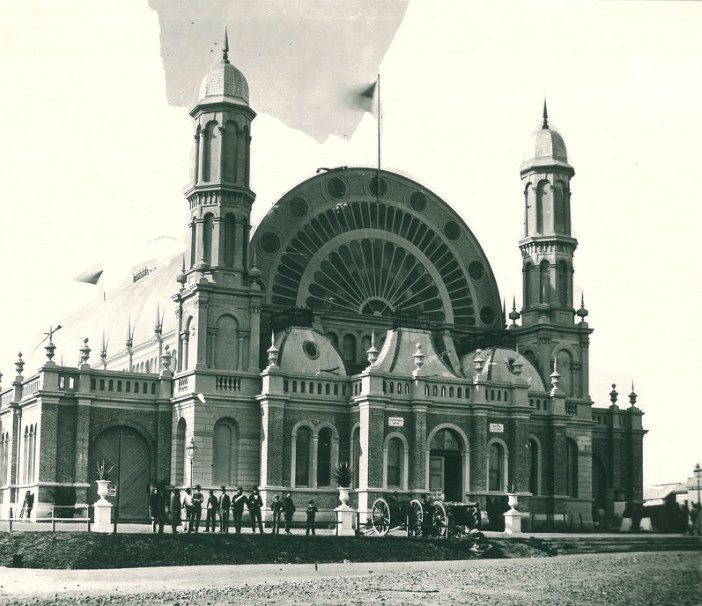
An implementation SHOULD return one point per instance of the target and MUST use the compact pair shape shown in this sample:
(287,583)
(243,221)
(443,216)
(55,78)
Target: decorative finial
(545,124)
(130,334)
(613,394)
(517,365)
(514,315)
(272,352)
(166,359)
(85,352)
(478,362)
(158,327)
(632,396)
(418,360)
(582,312)
(103,351)
(372,351)
(555,376)
(225,50)
(19,365)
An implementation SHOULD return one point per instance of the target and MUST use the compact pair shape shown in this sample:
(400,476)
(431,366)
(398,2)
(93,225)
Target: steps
(619,543)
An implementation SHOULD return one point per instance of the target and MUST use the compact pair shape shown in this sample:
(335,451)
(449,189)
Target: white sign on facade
(396,421)
(497,428)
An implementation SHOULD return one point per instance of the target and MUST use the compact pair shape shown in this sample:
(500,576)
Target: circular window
(475,270)
(336,187)
(297,207)
(310,348)
(451,230)
(378,187)
(418,201)
(270,242)
(487,315)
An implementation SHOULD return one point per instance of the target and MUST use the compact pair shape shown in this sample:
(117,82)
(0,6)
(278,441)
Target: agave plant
(343,474)
(102,472)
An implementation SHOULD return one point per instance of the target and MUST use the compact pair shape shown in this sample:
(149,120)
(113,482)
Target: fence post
(10,519)
(53,518)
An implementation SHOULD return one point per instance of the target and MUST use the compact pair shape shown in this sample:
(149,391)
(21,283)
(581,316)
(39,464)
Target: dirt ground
(602,579)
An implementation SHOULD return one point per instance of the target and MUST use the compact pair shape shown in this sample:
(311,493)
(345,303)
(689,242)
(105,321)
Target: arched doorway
(599,492)
(127,450)
(446,465)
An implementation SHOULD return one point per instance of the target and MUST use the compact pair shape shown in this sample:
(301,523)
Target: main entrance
(127,450)
(446,465)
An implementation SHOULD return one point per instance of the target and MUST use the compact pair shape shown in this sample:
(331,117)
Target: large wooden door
(126,449)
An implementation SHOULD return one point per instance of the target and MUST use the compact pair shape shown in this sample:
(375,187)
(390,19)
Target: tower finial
(545,124)
(225,50)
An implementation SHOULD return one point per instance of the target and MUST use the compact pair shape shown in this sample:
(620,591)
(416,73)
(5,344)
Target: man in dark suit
(288,511)
(255,504)
(212,507)
(224,503)
(238,503)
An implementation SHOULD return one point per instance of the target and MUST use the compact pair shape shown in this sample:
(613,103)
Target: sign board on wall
(396,421)
(497,428)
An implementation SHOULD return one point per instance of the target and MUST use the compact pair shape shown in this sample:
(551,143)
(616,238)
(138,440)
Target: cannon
(391,513)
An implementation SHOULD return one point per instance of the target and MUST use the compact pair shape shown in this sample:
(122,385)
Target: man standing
(212,506)
(288,511)
(224,502)
(238,503)
(311,513)
(255,504)
(277,509)
(196,510)
(188,507)
(158,510)
(175,510)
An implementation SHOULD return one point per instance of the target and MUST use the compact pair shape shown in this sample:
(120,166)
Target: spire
(225,50)
(545,123)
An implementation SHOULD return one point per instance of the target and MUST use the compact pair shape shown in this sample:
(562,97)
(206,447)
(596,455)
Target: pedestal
(344,520)
(513,522)
(103,516)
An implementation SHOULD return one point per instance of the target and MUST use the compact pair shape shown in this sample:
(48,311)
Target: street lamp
(190,450)
(697,471)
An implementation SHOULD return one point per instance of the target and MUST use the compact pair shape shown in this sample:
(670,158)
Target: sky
(97,142)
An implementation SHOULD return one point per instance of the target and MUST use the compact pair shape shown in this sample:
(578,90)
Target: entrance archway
(126,449)
(446,464)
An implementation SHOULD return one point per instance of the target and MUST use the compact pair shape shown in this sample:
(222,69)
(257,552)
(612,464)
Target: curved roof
(546,148)
(399,348)
(498,365)
(224,82)
(336,243)
(132,305)
(306,351)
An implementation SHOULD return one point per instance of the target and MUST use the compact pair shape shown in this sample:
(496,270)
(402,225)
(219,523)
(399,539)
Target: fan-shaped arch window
(225,452)
(303,458)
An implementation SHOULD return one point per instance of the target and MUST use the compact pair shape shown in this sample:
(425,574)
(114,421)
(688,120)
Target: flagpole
(379,119)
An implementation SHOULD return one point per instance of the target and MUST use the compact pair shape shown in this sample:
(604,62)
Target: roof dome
(546,146)
(497,364)
(224,81)
(308,352)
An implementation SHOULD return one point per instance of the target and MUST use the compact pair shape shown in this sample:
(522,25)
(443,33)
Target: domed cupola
(224,82)
(546,148)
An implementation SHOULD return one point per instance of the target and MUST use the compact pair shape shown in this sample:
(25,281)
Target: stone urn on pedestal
(343,475)
(102,507)
(513,519)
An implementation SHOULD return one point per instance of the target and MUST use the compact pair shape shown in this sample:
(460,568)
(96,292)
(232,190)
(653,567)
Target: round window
(487,315)
(311,349)
(270,242)
(418,201)
(451,230)
(297,207)
(336,187)
(475,270)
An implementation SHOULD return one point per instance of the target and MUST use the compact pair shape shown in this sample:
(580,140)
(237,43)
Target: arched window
(225,451)
(179,454)
(356,454)
(497,477)
(395,463)
(560,205)
(544,282)
(207,228)
(227,343)
(324,456)
(540,206)
(303,460)
(229,159)
(349,352)
(229,240)
(527,284)
(210,151)
(571,468)
(563,283)
(193,244)
(565,369)
(534,467)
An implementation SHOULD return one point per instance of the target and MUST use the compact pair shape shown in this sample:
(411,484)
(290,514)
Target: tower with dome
(360,323)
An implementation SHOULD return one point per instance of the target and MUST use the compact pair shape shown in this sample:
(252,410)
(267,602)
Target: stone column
(418,448)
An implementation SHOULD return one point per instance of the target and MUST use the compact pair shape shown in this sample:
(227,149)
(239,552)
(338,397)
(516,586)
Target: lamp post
(190,450)
(697,471)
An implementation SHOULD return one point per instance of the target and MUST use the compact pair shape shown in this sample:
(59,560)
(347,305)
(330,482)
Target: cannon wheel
(416,517)
(380,517)
(440,519)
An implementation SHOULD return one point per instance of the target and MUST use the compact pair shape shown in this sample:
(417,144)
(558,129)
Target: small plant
(343,474)
(102,472)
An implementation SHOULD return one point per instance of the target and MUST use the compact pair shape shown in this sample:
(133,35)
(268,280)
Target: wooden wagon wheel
(380,516)
(415,518)
(440,519)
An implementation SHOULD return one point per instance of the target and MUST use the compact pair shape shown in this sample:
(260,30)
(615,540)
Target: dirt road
(606,579)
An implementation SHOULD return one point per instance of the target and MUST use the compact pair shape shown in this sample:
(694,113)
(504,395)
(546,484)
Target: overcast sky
(97,141)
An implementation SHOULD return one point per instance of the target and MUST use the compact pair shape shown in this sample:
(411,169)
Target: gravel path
(603,579)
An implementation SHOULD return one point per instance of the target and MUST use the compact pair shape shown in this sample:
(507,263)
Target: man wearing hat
(224,502)
(255,504)
(238,503)
(196,510)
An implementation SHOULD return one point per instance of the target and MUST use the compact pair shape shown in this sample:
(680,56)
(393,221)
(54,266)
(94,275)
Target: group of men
(186,510)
